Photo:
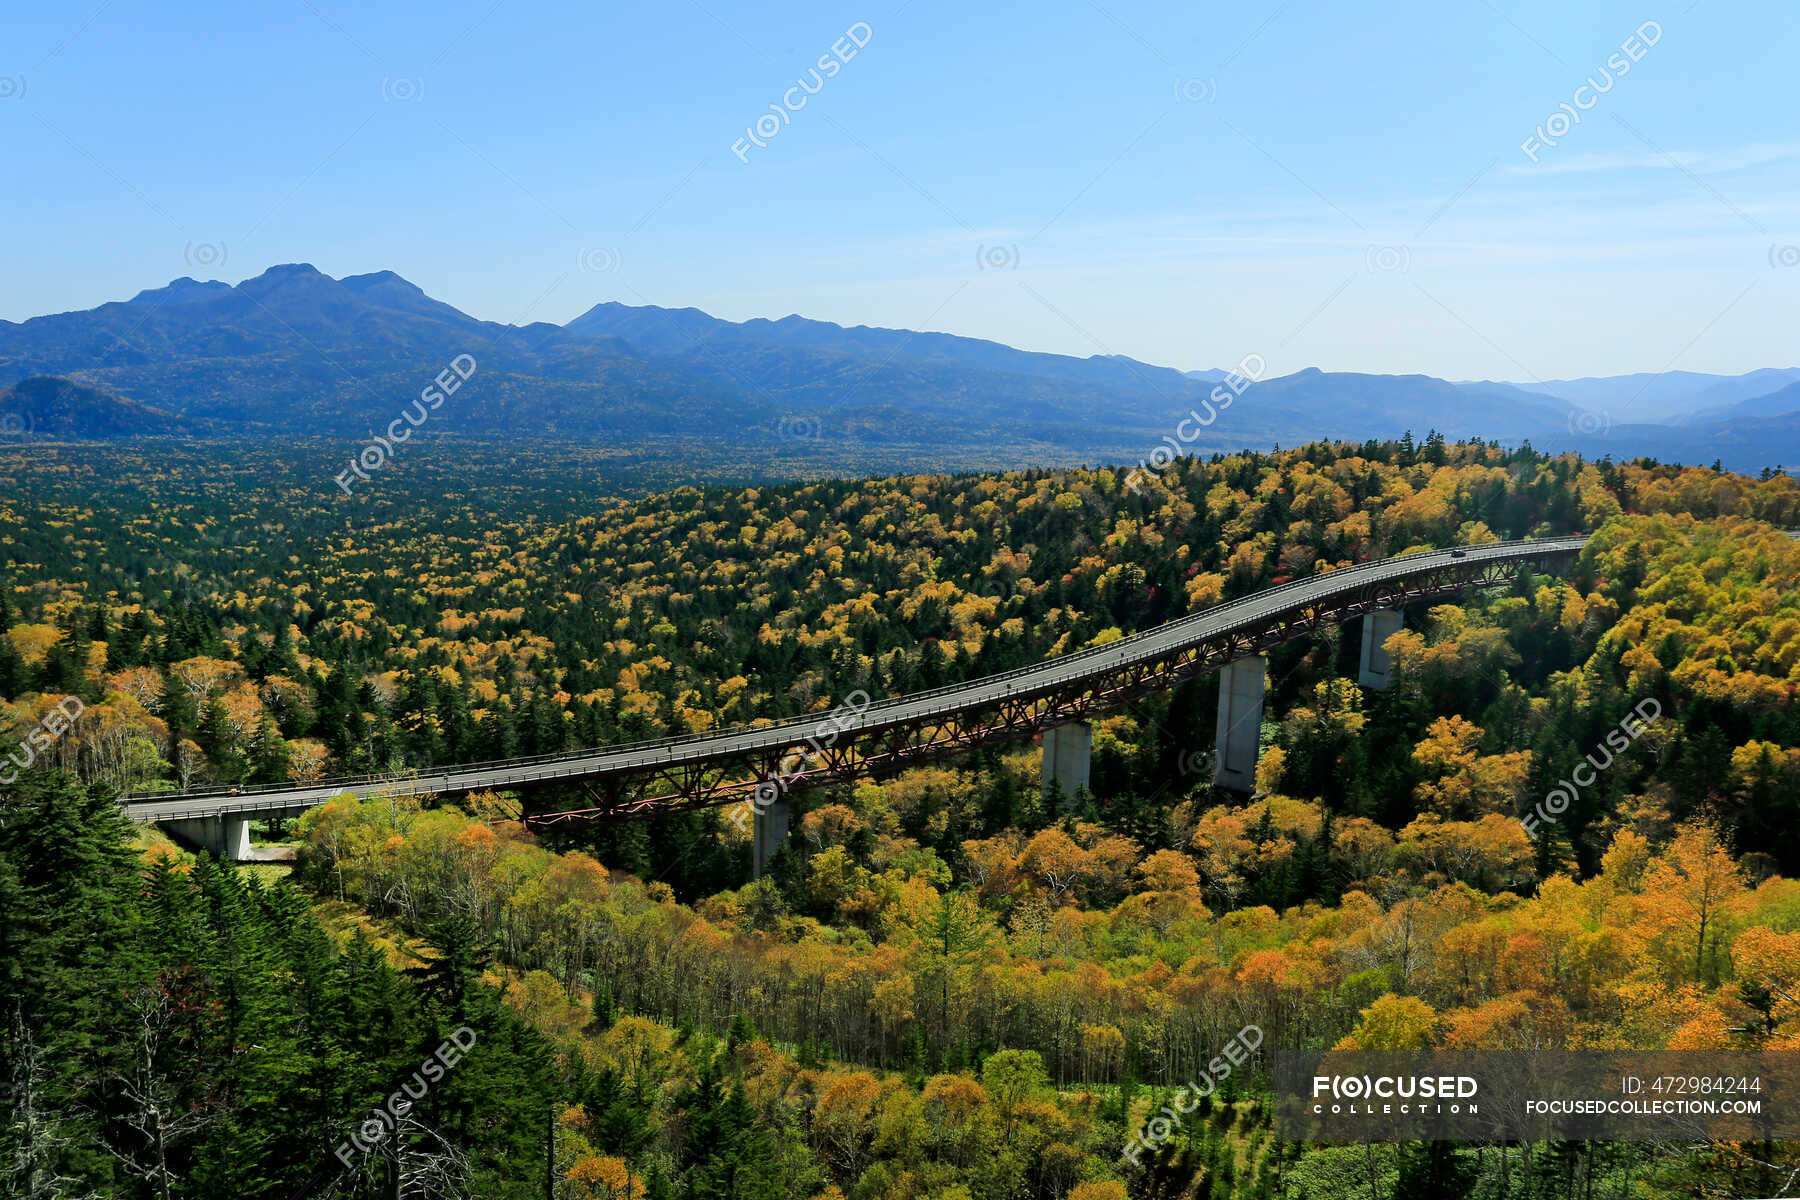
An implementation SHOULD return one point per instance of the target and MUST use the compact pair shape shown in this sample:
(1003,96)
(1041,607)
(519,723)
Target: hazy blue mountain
(1744,443)
(185,290)
(388,290)
(1343,404)
(823,366)
(684,331)
(295,351)
(1737,389)
(1783,399)
(1669,397)
(47,408)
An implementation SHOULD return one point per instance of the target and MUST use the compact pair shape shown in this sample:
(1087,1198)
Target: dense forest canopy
(950,985)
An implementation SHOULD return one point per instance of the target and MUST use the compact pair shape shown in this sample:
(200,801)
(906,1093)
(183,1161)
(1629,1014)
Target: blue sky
(1328,185)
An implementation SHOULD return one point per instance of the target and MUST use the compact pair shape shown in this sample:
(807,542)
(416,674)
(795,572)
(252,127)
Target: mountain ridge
(51,407)
(293,350)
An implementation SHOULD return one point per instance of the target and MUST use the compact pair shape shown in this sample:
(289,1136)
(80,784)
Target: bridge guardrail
(1375,569)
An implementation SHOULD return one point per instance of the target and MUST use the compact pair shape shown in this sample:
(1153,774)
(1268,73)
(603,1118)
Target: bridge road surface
(636,758)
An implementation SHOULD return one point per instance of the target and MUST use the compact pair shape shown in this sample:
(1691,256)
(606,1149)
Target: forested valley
(950,984)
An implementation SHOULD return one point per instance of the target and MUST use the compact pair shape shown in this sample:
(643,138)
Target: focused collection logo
(1390,1094)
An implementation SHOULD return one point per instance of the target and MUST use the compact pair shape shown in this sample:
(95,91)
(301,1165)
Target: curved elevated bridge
(860,738)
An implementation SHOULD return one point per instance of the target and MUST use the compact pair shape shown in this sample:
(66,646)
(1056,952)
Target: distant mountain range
(1673,397)
(293,351)
(45,406)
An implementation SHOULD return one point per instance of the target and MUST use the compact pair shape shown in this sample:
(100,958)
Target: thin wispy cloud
(1719,161)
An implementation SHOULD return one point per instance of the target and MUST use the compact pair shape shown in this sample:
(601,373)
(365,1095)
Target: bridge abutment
(1240,723)
(1376,664)
(226,836)
(1068,757)
(769,832)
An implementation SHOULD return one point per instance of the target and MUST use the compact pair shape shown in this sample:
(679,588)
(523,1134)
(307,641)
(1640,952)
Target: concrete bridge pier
(1377,666)
(1068,757)
(226,836)
(1240,723)
(769,831)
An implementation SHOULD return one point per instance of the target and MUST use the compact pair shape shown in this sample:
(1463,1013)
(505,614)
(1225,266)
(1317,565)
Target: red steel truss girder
(860,754)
